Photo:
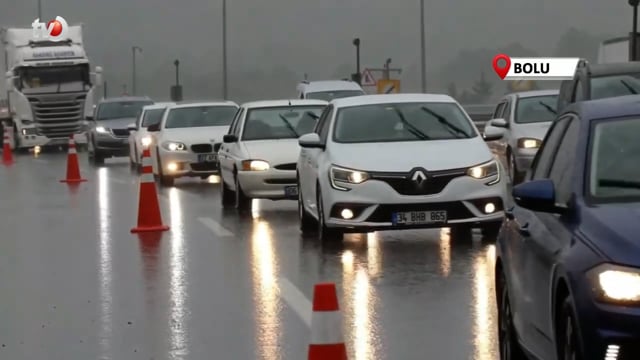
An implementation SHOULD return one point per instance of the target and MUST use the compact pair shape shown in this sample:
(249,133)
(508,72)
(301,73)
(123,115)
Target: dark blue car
(568,253)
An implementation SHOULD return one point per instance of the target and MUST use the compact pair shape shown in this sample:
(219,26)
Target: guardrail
(479,113)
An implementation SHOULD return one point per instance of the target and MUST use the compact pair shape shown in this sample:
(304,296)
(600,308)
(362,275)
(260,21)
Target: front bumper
(269,184)
(187,164)
(111,145)
(373,204)
(29,141)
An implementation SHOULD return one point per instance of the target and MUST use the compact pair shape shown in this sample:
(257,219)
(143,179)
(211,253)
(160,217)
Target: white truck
(51,89)
(614,50)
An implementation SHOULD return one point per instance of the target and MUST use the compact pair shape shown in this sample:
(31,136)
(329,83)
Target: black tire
(227,196)
(165,180)
(516,175)
(242,201)
(491,229)
(96,158)
(307,223)
(461,232)
(326,234)
(507,336)
(567,339)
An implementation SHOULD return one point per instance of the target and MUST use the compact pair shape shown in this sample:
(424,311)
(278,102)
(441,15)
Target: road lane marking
(296,300)
(215,227)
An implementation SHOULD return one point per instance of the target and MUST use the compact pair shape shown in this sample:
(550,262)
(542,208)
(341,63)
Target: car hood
(276,152)
(432,155)
(614,229)
(196,135)
(533,130)
(116,123)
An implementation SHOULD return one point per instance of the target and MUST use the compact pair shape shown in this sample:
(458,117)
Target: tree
(578,43)
(452,90)
(482,89)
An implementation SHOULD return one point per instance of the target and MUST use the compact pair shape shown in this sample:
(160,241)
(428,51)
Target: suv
(598,81)
(328,90)
(108,135)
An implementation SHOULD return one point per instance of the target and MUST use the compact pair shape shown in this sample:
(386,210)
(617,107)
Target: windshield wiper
(619,183)
(314,116)
(412,129)
(548,107)
(631,89)
(452,128)
(288,124)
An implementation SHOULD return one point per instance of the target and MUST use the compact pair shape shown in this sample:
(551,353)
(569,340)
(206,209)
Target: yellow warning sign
(391,86)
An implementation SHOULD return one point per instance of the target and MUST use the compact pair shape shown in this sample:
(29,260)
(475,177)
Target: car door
(522,226)
(309,159)
(225,152)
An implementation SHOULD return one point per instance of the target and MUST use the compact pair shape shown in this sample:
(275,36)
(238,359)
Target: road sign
(367,78)
(389,86)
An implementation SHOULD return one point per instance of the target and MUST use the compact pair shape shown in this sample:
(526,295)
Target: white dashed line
(214,226)
(296,300)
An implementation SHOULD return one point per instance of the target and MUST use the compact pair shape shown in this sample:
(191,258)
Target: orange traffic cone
(7,153)
(73,168)
(327,340)
(149,217)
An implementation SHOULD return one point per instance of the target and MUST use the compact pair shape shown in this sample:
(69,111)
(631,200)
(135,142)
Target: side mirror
(229,138)
(311,140)
(9,80)
(492,133)
(132,127)
(153,128)
(501,123)
(537,195)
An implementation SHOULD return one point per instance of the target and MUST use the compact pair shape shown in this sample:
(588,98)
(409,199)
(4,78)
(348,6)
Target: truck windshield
(615,85)
(121,109)
(330,95)
(54,79)
(536,109)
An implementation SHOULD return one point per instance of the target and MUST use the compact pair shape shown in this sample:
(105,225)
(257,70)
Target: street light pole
(224,50)
(356,43)
(133,72)
(423,55)
(634,32)
(40,10)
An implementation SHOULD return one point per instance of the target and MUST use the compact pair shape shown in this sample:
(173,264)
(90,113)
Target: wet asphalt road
(76,284)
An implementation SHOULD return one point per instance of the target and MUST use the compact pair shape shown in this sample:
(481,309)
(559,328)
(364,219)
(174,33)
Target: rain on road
(76,284)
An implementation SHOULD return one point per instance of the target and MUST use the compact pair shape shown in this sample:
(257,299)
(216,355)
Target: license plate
(291,191)
(419,217)
(207,157)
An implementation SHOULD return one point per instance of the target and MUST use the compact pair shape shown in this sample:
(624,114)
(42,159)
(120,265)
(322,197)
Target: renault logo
(419,177)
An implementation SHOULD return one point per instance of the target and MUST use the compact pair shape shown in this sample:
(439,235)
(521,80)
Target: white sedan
(139,138)
(259,154)
(401,161)
(187,139)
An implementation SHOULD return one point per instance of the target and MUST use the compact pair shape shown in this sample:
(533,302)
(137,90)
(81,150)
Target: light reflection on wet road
(75,284)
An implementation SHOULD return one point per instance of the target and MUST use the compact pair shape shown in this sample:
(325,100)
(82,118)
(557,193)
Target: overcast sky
(312,36)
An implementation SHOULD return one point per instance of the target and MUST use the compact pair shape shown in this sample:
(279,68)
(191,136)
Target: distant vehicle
(139,138)
(525,118)
(109,132)
(187,139)
(598,81)
(397,161)
(614,50)
(567,261)
(51,88)
(259,154)
(328,90)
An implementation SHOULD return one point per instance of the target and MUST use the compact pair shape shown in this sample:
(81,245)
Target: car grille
(455,210)
(435,182)
(291,181)
(120,132)
(289,166)
(58,115)
(202,148)
(204,166)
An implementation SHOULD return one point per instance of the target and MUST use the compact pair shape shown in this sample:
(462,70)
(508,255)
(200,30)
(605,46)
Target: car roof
(284,102)
(203,103)
(596,70)
(126,99)
(606,108)
(535,93)
(160,105)
(328,85)
(391,98)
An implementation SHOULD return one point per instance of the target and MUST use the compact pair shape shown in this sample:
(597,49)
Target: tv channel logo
(54,30)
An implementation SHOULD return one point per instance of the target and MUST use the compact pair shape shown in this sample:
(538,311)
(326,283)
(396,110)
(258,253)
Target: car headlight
(483,170)
(255,165)
(616,284)
(529,143)
(348,176)
(146,141)
(102,130)
(174,146)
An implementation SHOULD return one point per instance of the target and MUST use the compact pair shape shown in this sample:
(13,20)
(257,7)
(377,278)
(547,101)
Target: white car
(398,161)
(139,138)
(328,89)
(259,154)
(187,139)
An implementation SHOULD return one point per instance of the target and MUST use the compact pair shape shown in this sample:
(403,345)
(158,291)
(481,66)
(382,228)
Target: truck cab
(598,81)
(328,90)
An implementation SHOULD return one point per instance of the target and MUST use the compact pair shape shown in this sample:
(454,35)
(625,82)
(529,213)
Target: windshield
(121,109)
(330,95)
(54,79)
(286,122)
(536,109)
(613,86)
(402,122)
(615,155)
(199,116)
(151,117)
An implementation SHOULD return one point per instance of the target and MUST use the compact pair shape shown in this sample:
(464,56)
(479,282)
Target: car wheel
(227,196)
(491,229)
(566,333)
(507,337)
(243,203)
(307,222)
(325,233)
(515,175)
(460,232)
(97,158)
(165,180)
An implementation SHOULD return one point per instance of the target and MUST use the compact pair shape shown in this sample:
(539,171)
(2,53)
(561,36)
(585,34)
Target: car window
(235,124)
(330,95)
(497,114)
(120,109)
(394,122)
(550,143)
(283,122)
(536,109)
(199,116)
(562,166)
(326,124)
(507,110)
(614,86)
(614,158)
(151,117)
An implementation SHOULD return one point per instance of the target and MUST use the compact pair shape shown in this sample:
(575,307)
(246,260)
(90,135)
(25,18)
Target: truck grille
(58,115)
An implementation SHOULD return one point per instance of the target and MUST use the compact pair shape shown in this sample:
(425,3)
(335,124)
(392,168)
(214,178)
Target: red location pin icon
(502,71)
